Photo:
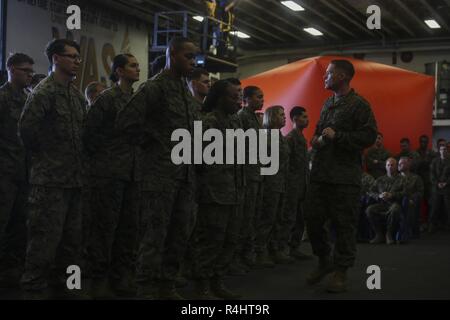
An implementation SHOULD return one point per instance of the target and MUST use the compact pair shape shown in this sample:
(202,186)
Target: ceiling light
(198,18)
(313,31)
(240,34)
(292,5)
(432,24)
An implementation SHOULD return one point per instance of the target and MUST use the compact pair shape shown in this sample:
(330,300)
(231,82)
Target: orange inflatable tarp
(401,100)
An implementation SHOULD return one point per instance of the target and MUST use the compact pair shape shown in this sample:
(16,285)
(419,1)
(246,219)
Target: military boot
(296,253)
(219,290)
(389,239)
(325,267)
(338,281)
(263,260)
(378,239)
(202,290)
(167,291)
(280,257)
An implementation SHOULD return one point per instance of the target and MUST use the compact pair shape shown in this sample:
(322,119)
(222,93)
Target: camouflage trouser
(166,218)
(273,204)
(115,208)
(384,214)
(249,212)
(338,204)
(440,207)
(54,235)
(13,232)
(289,226)
(215,239)
(292,222)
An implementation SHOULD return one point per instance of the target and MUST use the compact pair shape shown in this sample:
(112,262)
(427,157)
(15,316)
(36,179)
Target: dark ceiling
(273,26)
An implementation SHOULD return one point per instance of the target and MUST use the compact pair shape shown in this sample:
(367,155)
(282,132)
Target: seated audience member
(388,192)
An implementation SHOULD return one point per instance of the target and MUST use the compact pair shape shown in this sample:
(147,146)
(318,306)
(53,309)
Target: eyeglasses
(26,70)
(72,56)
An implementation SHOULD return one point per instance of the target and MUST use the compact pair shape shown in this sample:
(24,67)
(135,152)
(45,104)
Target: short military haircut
(57,46)
(18,58)
(380,134)
(249,91)
(296,111)
(440,140)
(345,66)
(234,81)
(119,61)
(198,73)
(424,136)
(177,43)
(403,140)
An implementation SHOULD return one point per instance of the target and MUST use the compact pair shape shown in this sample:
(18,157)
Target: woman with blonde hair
(273,196)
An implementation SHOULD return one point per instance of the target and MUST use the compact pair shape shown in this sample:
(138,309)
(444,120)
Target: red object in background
(401,100)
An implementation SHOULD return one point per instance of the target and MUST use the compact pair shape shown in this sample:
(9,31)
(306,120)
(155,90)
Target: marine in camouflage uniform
(251,206)
(440,195)
(376,159)
(336,179)
(363,233)
(115,196)
(291,225)
(386,212)
(14,187)
(274,198)
(414,190)
(217,232)
(51,126)
(160,106)
(411,154)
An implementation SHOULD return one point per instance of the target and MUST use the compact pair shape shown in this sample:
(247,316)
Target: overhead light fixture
(240,34)
(432,24)
(313,31)
(198,18)
(294,6)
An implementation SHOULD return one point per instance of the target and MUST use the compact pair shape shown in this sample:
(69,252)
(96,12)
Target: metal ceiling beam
(196,10)
(266,22)
(436,15)
(337,10)
(325,18)
(271,25)
(412,15)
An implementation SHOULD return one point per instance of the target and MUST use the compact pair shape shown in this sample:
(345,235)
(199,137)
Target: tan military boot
(325,267)
(338,282)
